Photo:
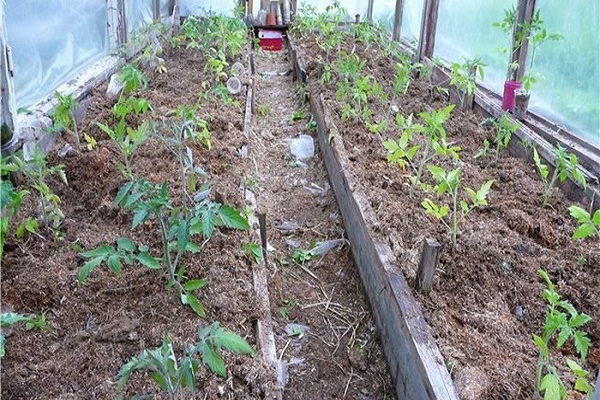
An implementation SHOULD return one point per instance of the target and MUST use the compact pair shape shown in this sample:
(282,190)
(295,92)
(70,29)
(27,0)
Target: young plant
(133,79)
(63,116)
(174,375)
(404,153)
(36,172)
(128,140)
(254,251)
(31,322)
(504,131)
(562,323)
(177,226)
(10,203)
(449,182)
(463,76)
(566,166)
(588,225)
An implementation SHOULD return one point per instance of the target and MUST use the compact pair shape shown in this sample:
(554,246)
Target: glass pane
(51,42)
(411,21)
(570,92)
(465,30)
(139,13)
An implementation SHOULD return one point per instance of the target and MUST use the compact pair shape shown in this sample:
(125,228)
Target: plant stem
(454,217)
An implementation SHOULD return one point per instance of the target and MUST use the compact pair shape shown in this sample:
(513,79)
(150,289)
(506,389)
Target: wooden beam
(117,24)
(398,20)
(370,11)
(428,29)
(430,257)
(156,10)
(525,11)
(416,365)
(172,4)
(8,108)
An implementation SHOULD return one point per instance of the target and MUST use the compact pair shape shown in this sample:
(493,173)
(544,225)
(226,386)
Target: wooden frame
(525,11)
(398,12)
(8,108)
(428,29)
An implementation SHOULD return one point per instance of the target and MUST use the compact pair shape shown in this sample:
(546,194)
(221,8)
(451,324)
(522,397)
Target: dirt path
(325,336)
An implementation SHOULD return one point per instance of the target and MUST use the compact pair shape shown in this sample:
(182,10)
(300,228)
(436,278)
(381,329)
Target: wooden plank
(156,10)
(117,24)
(428,29)
(525,10)
(370,11)
(430,257)
(416,365)
(399,10)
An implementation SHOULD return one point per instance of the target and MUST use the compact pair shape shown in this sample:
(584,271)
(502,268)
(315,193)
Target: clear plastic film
(51,42)
(139,14)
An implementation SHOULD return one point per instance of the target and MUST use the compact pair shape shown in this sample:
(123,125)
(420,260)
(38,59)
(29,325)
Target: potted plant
(507,25)
(534,34)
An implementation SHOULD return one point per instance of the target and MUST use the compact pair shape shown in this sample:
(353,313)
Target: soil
(97,327)
(487,297)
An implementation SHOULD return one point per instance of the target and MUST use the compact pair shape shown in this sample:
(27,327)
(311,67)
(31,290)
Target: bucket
(508,97)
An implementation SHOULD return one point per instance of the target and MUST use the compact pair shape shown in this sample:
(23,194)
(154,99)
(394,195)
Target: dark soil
(99,326)
(487,297)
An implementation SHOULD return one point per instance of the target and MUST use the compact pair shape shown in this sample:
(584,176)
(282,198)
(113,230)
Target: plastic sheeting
(465,30)
(51,42)
(139,14)
(200,7)
(411,20)
(383,13)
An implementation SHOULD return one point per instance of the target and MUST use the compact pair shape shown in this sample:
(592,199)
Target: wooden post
(370,11)
(428,264)
(525,11)
(398,19)
(156,10)
(8,108)
(428,28)
(172,6)
(117,23)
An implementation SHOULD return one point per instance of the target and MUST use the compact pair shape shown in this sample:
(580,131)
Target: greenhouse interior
(297,199)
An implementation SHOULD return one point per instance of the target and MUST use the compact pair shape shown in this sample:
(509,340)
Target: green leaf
(541,345)
(195,304)
(194,284)
(576,368)
(2,340)
(596,217)
(160,380)
(87,268)
(212,359)
(438,172)
(232,218)
(104,250)
(579,214)
(209,218)
(11,318)
(148,261)
(123,192)
(583,231)
(189,368)
(183,235)
(582,343)
(579,320)
(231,341)
(114,263)
(582,385)
(126,244)
(552,387)
(139,217)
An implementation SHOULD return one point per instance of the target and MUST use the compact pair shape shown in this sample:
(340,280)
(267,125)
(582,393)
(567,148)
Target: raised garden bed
(96,327)
(486,301)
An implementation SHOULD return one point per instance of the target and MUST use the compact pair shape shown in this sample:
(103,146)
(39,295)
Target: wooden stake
(429,260)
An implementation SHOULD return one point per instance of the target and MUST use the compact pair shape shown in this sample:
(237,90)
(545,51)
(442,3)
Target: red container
(270,40)
(508,97)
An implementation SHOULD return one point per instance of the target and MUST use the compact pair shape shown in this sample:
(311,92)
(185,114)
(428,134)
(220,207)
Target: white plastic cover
(51,42)
(139,14)
(201,7)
